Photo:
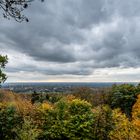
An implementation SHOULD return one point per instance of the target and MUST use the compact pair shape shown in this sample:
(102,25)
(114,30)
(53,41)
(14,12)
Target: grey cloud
(50,70)
(58,21)
(125,8)
(54,34)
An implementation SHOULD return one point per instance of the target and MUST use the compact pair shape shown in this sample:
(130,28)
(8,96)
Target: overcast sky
(74,41)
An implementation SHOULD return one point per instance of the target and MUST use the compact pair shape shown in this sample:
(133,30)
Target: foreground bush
(28,130)
(69,120)
(10,120)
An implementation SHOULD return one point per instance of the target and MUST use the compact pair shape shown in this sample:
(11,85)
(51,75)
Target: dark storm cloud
(93,33)
(57,26)
(50,70)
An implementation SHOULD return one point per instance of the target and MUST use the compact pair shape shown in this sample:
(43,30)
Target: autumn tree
(136,117)
(3,61)
(123,129)
(103,123)
(68,120)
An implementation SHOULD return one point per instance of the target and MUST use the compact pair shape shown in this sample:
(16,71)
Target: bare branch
(14,8)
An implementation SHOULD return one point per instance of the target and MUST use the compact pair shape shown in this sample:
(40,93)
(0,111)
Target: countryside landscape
(69,70)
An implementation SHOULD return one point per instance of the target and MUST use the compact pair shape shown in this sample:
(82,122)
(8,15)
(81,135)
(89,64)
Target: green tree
(72,120)
(103,122)
(124,96)
(10,120)
(3,62)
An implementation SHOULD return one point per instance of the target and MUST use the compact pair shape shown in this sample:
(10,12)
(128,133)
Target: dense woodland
(85,114)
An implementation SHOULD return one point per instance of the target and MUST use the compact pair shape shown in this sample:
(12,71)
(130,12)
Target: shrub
(68,120)
(28,130)
(10,120)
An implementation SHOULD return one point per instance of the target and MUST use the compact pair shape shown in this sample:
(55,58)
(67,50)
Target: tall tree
(3,62)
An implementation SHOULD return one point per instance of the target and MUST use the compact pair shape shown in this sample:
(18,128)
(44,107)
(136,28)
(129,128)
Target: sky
(74,41)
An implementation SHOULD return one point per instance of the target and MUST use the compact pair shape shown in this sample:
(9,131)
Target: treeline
(109,114)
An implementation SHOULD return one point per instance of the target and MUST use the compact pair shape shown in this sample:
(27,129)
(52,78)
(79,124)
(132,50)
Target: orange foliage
(23,106)
(6,96)
(70,98)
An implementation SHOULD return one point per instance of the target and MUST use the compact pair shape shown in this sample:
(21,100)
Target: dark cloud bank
(76,36)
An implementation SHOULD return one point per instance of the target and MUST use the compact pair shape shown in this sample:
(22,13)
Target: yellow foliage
(136,117)
(123,129)
(2,105)
(46,106)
